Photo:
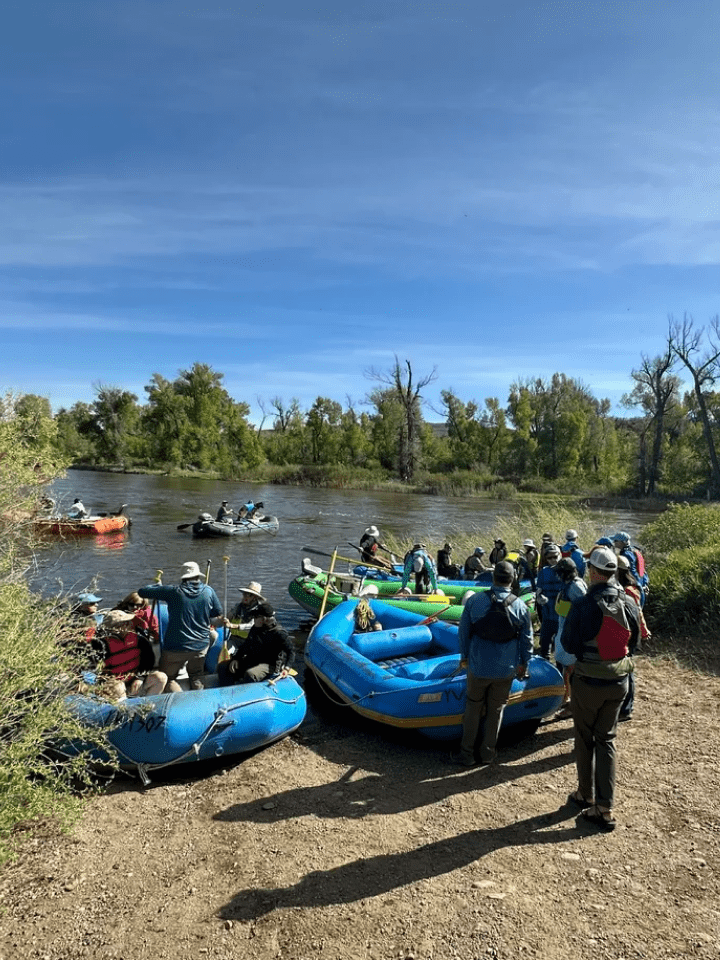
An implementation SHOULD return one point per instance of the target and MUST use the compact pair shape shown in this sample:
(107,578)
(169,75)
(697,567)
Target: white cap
(571,534)
(190,570)
(603,558)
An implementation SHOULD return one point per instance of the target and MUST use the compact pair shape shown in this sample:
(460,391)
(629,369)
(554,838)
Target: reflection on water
(114,564)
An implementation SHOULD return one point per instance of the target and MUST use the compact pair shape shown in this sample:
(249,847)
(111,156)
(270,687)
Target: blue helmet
(622,537)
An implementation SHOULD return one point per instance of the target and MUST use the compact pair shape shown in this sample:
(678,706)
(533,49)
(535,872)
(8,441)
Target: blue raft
(408,674)
(146,733)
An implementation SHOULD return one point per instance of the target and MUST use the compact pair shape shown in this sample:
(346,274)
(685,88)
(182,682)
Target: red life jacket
(613,638)
(123,654)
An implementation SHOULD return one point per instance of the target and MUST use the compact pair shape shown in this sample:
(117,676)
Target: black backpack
(496,624)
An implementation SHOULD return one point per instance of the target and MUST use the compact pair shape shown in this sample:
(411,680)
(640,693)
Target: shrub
(685,590)
(682,525)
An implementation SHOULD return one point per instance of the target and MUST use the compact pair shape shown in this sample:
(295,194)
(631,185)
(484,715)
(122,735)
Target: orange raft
(88,525)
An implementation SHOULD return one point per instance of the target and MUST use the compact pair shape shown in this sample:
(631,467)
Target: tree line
(547,435)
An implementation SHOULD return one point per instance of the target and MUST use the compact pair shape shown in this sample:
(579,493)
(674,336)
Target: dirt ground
(351,841)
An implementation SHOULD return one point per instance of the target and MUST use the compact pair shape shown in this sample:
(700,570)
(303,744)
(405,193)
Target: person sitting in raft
(476,564)
(127,659)
(419,563)
(77,511)
(370,544)
(498,552)
(267,650)
(146,621)
(445,566)
(364,617)
(225,513)
(250,599)
(84,613)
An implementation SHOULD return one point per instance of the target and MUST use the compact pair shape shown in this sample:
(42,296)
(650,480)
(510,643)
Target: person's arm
(464,633)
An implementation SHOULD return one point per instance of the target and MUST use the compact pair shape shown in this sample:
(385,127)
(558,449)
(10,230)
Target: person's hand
(463,663)
(522,671)
(233,666)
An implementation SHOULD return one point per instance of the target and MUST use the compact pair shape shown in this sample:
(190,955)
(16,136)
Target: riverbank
(351,841)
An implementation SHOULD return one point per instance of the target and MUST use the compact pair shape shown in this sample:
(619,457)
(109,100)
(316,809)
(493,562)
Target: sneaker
(457,760)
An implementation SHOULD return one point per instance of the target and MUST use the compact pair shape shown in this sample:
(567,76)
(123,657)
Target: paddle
(184,526)
(382,565)
(322,553)
(434,617)
(327,584)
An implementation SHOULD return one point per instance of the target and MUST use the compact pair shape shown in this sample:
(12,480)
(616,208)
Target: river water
(322,519)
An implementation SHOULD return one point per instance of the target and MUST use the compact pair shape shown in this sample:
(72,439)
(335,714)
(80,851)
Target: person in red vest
(127,659)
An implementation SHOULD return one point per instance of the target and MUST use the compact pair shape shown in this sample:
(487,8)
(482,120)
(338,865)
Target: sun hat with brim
(88,598)
(528,543)
(254,588)
(602,558)
(114,618)
(190,570)
(372,532)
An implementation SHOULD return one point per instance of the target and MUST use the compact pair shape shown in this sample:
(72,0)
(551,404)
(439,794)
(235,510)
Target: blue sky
(297,192)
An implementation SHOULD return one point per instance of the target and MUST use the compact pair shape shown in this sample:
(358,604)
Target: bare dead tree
(686,343)
(408,394)
(656,392)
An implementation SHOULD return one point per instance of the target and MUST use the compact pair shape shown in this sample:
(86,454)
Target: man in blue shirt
(193,607)
(492,664)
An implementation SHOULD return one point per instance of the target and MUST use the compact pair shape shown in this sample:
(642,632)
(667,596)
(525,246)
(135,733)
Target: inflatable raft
(408,675)
(147,733)
(205,526)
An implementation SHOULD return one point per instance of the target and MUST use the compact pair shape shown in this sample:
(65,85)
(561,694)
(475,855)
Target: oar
(327,584)
(434,617)
(207,570)
(322,553)
(384,565)
(184,526)
(225,561)
(153,608)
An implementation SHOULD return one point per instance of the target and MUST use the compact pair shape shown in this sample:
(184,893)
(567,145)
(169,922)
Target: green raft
(309,589)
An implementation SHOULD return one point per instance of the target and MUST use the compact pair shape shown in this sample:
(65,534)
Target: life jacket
(562,603)
(612,641)
(640,562)
(123,654)
(496,625)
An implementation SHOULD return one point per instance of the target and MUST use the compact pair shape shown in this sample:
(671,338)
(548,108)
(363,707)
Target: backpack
(496,624)
(614,635)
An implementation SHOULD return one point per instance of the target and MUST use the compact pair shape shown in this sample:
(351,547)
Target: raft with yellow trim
(408,673)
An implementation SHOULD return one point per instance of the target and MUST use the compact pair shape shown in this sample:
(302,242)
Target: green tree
(323,422)
(114,418)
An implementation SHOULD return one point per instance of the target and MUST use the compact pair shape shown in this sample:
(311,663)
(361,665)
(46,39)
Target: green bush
(37,667)
(685,590)
(682,525)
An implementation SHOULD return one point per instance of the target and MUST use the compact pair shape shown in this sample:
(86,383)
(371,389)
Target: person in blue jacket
(572,551)
(636,561)
(548,586)
(492,665)
(193,608)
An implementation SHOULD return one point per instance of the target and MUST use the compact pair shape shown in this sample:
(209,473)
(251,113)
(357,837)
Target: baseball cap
(602,558)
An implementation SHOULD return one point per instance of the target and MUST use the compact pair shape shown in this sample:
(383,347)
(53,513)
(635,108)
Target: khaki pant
(486,699)
(172,662)
(595,710)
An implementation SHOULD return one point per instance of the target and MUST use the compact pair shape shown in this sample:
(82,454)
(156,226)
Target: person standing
(496,643)
(193,608)
(498,552)
(419,562)
(572,589)
(601,630)
(369,545)
(548,585)
(572,550)
(528,562)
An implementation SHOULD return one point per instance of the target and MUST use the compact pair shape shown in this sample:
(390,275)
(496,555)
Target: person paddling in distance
(496,643)
(77,511)
(225,513)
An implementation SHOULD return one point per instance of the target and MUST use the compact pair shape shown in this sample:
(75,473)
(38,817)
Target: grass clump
(682,526)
